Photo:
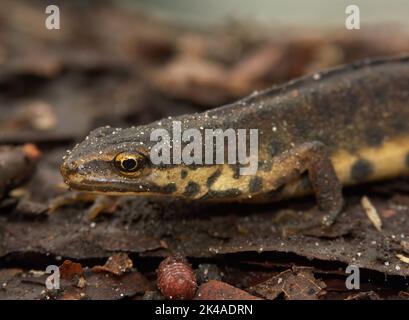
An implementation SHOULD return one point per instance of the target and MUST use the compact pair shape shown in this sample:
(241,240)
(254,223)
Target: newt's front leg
(100,203)
(312,157)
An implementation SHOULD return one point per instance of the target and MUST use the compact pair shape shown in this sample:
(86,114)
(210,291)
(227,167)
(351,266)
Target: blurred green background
(283,12)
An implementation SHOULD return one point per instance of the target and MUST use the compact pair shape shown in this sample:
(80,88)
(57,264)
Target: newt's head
(115,161)
(119,161)
(155,159)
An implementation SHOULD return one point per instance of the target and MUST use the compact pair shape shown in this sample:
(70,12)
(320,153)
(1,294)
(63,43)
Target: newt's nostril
(69,167)
(73,165)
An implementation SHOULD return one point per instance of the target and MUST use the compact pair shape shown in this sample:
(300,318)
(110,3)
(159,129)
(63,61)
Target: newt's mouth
(81,181)
(108,188)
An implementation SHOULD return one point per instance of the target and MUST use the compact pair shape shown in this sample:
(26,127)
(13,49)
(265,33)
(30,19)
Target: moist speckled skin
(358,112)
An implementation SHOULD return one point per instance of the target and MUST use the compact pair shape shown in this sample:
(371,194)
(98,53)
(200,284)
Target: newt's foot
(329,217)
(313,158)
(311,221)
(100,203)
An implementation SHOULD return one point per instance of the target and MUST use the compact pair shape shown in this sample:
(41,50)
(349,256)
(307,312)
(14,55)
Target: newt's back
(364,104)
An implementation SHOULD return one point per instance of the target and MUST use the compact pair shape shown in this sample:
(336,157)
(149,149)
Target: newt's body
(345,126)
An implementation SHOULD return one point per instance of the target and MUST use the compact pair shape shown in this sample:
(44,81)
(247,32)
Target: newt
(339,127)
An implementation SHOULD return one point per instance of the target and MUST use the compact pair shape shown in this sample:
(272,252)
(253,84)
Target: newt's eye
(129,162)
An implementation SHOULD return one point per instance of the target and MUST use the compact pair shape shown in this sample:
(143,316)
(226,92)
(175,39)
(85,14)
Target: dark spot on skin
(212,179)
(265,165)
(183,174)
(164,166)
(273,194)
(305,183)
(191,189)
(169,188)
(374,137)
(236,171)
(230,193)
(274,148)
(361,170)
(280,182)
(256,184)
(194,167)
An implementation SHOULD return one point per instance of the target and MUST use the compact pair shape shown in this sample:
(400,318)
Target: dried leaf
(17,164)
(372,213)
(116,264)
(111,287)
(297,284)
(369,295)
(218,290)
(69,270)
(403,258)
